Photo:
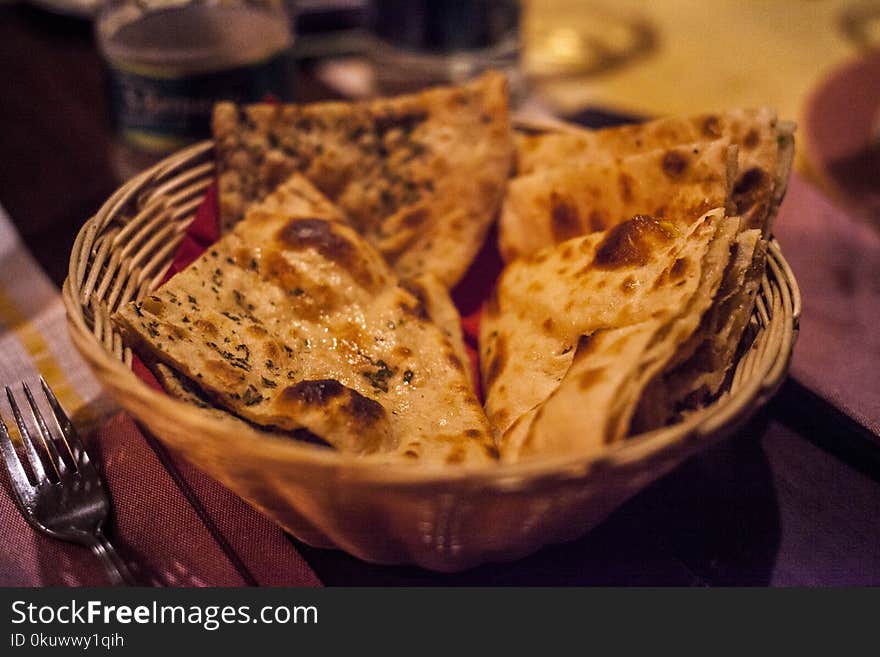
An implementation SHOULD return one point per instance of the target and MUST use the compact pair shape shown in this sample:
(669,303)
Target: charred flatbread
(704,362)
(420,176)
(297,323)
(766,150)
(577,331)
(553,205)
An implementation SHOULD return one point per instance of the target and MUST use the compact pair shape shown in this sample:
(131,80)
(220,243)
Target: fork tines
(74,457)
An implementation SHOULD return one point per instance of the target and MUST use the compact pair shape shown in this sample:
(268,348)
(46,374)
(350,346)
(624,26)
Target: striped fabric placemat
(33,333)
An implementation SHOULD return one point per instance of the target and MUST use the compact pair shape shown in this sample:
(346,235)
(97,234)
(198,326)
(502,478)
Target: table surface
(792,499)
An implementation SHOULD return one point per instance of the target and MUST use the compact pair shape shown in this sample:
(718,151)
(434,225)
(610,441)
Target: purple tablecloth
(836,260)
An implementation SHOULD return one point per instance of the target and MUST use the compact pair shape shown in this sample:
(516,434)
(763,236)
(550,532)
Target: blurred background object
(860,23)
(584,38)
(684,56)
(617,57)
(328,28)
(418,43)
(74,8)
(841,135)
(168,61)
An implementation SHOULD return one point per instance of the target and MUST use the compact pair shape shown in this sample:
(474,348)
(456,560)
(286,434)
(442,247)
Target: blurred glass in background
(417,43)
(168,61)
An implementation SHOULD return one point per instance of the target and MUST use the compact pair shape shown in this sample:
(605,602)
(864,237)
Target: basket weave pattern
(444,519)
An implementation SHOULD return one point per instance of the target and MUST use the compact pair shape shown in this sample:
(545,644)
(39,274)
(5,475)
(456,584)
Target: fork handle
(117,571)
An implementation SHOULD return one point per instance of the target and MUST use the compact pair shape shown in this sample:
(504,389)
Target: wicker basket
(445,519)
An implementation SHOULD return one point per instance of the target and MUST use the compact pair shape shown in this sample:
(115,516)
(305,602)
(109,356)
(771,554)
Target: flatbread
(640,271)
(297,323)
(765,152)
(594,404)
(420,176)
(766,148)
(702,365)
(552,205)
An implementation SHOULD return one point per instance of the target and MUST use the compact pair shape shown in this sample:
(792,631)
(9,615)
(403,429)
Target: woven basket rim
(713,421)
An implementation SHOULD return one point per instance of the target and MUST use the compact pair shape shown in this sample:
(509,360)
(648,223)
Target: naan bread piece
(702,365)
(639,270)
(612,355)
(550,206)
(702,378)
(297,323)
(766,148)
(731,307)
(765,153)
(239,366)
(593,404)
(420,176)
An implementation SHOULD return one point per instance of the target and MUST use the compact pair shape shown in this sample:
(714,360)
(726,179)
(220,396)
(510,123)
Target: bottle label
(161,111)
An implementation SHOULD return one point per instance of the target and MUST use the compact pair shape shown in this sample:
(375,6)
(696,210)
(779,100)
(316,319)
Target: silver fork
(71,504)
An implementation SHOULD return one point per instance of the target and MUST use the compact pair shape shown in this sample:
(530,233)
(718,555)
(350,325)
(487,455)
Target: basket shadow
(713,521)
